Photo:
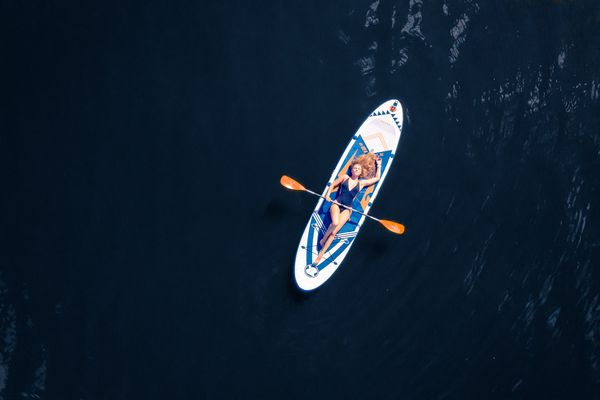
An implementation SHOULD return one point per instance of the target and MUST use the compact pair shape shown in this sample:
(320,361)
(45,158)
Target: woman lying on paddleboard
(349,187)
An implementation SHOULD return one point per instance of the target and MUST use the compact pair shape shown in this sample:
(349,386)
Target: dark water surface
(148,247)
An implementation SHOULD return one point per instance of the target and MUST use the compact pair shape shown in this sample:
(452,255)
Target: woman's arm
(375,179)
(334,185)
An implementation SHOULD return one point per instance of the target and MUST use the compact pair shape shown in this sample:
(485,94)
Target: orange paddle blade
(289,183)
(393,226)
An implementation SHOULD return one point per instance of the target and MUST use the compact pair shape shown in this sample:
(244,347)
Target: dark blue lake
(148,247)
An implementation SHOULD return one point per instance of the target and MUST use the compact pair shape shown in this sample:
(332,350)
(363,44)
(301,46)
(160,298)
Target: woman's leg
(334,211)
(343,218)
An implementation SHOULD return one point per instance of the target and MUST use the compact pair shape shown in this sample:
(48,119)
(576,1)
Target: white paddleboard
(379,133)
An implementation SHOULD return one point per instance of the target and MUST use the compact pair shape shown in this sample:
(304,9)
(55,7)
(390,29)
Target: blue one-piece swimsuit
(346,196)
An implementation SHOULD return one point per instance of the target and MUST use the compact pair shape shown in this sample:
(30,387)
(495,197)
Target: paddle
(392,226)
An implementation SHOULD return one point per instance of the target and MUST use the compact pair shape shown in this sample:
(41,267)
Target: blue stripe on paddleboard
(309,241)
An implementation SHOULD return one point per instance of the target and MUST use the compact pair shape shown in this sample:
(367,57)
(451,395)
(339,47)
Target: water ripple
(8,336)
(371,16)
(459,34)
(412,27)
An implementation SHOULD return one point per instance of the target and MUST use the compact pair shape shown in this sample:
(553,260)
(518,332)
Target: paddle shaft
(342,205)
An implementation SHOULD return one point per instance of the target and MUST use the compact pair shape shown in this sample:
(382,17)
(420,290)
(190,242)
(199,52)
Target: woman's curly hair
(367,162)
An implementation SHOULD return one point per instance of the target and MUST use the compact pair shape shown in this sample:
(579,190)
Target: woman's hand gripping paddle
(392,226)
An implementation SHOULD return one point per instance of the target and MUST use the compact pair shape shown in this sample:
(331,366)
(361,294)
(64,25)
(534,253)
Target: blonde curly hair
(367,162)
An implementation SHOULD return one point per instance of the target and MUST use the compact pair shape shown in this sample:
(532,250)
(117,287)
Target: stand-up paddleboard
(380,133)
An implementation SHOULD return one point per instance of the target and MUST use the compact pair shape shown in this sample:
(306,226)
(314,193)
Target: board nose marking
(377,135)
